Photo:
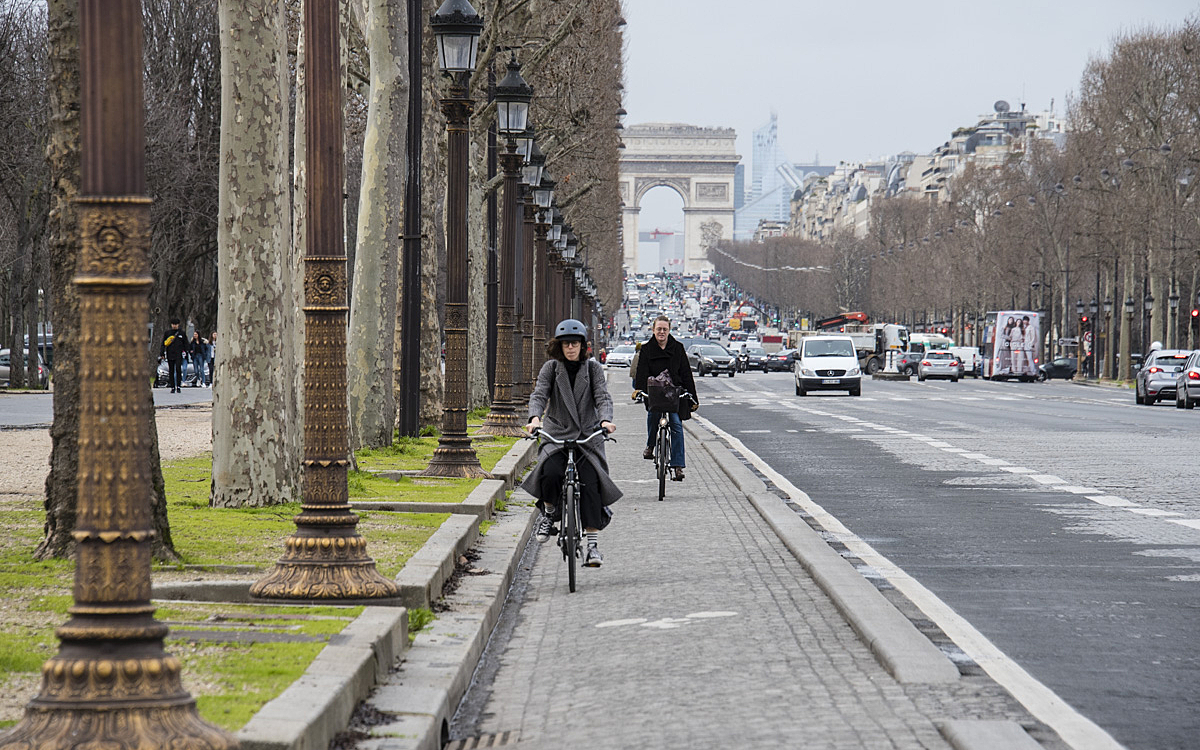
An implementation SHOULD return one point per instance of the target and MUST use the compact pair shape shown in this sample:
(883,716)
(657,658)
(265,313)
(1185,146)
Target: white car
(622,356)
(827,363)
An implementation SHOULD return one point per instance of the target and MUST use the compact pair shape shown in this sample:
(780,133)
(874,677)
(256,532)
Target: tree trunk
(297,251)
(62,153)
(255,461)
(16,307)
(371,343)
(433,248)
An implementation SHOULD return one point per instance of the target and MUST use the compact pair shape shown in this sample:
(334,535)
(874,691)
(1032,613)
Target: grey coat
(567,412)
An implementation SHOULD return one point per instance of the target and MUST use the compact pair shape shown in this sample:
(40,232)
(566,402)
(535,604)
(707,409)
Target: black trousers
(592,513)
(175,372)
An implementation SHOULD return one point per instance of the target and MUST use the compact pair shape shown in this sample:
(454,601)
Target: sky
(852,81)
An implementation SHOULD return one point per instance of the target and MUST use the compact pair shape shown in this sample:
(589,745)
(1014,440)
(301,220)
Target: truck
(872,342)
(691,308)
(1012,342)
(926,342)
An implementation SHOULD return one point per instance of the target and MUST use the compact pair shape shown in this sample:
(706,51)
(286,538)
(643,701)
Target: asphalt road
(1061,520)
(29,410)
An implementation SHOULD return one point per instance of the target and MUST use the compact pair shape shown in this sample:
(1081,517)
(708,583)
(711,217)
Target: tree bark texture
(62,153)
(255,456)
(433,248)
(299,238)
(372,336)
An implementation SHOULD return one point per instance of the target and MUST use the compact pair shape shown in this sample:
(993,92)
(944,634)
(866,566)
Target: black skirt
(593,514)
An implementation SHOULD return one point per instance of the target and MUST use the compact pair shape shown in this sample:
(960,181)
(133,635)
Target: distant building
(773,181)
(660,250)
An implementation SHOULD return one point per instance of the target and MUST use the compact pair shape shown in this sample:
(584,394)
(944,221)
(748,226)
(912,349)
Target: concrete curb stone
(480,502)
(908,655)
(513,463)
(422,577)
(983,734)
(327,693)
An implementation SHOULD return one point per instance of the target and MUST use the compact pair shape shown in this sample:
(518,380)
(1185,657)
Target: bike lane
(702,630)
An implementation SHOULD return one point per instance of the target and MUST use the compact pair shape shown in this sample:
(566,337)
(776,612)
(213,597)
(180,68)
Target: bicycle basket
(662,395)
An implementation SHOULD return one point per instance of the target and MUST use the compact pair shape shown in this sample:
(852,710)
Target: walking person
(572,398)
(174,347)
(212,359)
(198,349)
(662,352)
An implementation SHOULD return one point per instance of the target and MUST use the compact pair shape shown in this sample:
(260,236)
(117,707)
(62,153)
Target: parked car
(1063,367)
(162,374)
(43,372)
(939,364)
(1187,382)
(621,356)
(781,360)
(827,363)
(711,359)
(1156,381)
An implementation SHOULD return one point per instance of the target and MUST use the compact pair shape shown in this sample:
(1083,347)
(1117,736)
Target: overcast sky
(860,80)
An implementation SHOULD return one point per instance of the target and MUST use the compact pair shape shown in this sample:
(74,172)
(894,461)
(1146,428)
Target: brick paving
(700,631)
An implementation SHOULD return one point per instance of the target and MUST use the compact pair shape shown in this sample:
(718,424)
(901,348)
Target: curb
(908,655)
(313,709)
(480,502)
(513,463)
(420,698)
(426,572)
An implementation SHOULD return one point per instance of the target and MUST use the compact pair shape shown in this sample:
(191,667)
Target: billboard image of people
(1012,341)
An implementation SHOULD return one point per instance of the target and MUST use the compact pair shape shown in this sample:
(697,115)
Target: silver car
(43,374)
(939,364)
(1187,383)
(621,356)
(1156,380)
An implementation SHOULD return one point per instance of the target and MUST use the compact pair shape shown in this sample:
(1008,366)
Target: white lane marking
(753,432)
(993,461)
(621,623)
(666,623)
(1190,523)
(1111,501)
(1076,490)
(1153,512)
(976,455)
(733,387)
(791,430)
(1075,729)
(1018,470)
(955,450)
(938,444)
(899,398)
(715,613)
(1047,479)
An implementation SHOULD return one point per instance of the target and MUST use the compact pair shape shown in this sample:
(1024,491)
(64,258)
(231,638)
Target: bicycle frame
(571,538)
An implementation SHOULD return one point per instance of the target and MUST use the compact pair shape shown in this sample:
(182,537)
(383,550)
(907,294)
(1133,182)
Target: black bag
(662,395)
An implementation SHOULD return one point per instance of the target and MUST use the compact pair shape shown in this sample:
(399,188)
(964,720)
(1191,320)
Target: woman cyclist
(572,397)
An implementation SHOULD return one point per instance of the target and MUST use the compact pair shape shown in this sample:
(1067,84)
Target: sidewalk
(701,630)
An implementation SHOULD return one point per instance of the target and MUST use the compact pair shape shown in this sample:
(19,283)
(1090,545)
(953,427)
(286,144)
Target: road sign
(1073,341)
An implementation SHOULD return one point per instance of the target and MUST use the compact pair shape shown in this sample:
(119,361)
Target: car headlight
(807,372)
(706,360)
(854,371)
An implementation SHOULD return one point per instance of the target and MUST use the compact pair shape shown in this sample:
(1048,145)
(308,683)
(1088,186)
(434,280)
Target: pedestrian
(212,359)
(198,349)
(174,347)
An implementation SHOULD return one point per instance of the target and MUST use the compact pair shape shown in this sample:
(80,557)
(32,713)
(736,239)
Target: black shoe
(545,529)
(593,558)
(676,473)
(648,454)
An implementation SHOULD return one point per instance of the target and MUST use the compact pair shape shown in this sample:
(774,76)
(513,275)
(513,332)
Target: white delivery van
(827,363)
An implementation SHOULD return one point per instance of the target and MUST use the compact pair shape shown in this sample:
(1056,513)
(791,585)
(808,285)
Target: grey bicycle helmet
(570,327)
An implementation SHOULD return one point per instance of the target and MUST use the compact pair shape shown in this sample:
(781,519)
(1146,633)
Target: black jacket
(653,359)
(175,344)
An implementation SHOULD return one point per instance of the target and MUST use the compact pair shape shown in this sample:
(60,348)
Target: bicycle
(570,538)
(662,446)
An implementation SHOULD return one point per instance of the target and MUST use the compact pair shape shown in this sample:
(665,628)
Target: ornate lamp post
(457,27)
(531,178)
(1173,321)
(1109,349)
(513,95)
(570,246)
(326,558)
(543,197)
(112,685)
(1148,314)
(1126,345)
(1094,344)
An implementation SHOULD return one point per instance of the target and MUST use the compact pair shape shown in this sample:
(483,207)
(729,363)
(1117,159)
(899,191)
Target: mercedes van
(827,363)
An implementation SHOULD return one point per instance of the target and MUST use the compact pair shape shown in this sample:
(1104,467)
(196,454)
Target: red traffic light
(1084,318)
(1195,313)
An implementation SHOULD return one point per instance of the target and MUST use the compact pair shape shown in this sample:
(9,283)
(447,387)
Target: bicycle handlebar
(540,433)
(641,397)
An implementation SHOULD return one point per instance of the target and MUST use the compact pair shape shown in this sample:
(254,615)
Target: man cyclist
(664,352)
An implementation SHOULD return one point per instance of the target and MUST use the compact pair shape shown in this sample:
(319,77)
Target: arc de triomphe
(698,163)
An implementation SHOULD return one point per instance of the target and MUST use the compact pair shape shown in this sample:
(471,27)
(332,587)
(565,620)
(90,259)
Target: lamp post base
(325,569)
(456,458)
(502,421)
(117,703)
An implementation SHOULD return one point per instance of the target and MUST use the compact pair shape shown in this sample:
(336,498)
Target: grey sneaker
(545,528)
(593,558)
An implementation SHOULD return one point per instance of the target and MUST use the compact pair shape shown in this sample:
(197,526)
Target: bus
(1012,343)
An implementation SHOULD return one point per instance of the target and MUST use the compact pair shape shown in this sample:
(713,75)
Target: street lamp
(543,198)
(1148,307)
(1093,341)
(456,27)
(112,684)
(1126,345)
(512,96)
(531,178)
(1173,333)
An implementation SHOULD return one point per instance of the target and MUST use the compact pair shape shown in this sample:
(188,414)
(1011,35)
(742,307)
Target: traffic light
(1084,320)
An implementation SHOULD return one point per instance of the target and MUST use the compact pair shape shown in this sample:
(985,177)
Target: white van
(827,363)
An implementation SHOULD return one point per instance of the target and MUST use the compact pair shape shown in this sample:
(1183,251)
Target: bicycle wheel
(570,532)
(664,458)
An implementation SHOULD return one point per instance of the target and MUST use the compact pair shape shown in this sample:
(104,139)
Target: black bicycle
(662,446)
(570,537)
